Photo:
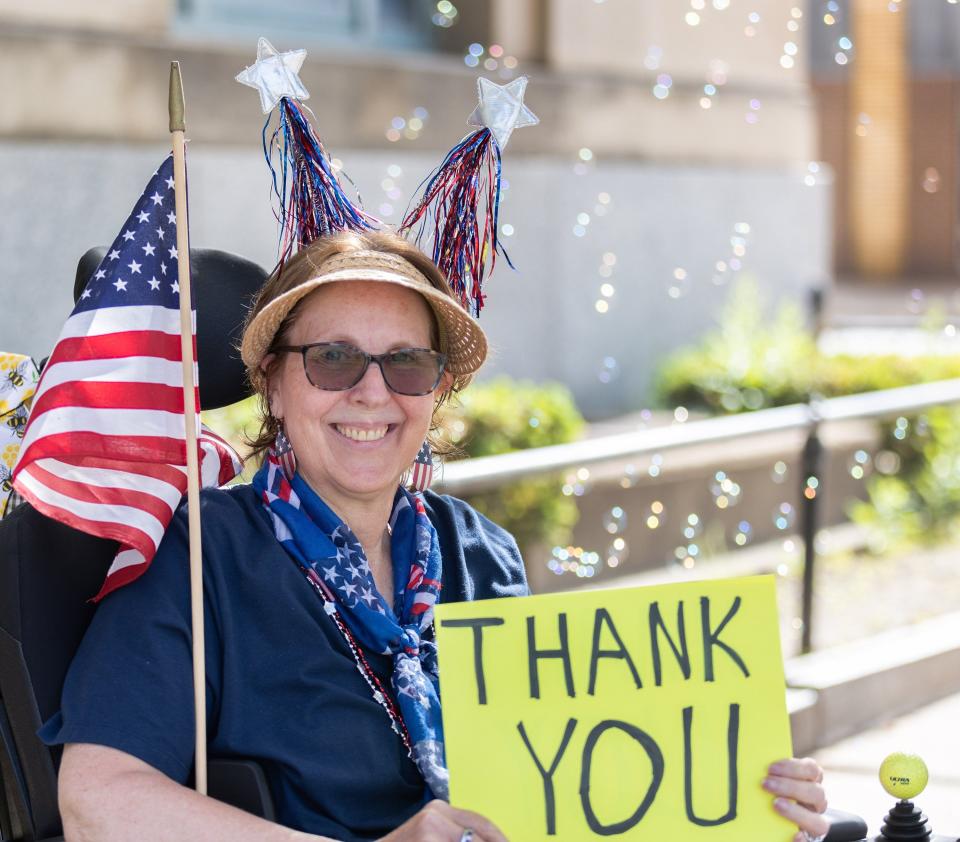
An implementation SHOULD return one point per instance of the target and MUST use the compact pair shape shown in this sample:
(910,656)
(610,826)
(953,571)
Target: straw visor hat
(461,339)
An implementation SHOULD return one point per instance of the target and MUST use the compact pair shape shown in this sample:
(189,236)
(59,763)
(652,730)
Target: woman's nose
(371,388)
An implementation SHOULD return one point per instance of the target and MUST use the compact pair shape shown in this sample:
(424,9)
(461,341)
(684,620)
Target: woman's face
(354,444)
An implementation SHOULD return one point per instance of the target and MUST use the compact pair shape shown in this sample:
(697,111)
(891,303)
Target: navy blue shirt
(282,685)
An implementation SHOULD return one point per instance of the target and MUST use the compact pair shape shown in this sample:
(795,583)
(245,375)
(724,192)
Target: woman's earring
(284,450)
(421,473)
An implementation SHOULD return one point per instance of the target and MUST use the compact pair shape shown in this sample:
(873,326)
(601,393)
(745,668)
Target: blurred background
(735,234)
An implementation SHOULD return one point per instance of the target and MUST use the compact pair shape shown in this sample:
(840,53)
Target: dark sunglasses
(337,366)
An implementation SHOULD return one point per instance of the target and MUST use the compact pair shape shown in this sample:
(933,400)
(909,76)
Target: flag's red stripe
(127,448)
(124,576)
(112,346)
(87,493)
(165,473)
(227,469)
(96,394)
(224,455)
(127,535)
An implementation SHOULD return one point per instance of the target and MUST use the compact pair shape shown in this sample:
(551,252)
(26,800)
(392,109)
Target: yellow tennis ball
(904,776)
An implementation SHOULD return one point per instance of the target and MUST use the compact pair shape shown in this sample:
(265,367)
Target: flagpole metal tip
(176,98)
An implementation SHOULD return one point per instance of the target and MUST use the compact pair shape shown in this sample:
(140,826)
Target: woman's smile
(363,434)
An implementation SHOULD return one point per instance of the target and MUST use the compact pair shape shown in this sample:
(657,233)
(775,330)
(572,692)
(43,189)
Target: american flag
(422,474)
(104,450)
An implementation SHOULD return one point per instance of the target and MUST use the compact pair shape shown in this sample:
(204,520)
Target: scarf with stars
(324,546)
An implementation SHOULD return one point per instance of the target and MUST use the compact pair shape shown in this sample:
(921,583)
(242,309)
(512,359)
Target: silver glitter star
(501,108)
(274,75)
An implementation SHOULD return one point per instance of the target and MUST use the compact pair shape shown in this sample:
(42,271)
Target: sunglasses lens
(334,367)
(412,371)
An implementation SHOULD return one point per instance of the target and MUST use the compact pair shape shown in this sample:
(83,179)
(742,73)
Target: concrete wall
(621,50)
(56,200)
(617,37)
(104,15)
(592,88)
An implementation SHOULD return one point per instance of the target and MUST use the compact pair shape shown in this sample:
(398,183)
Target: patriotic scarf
(326,549)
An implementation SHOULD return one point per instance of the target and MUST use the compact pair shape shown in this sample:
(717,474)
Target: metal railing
(486,473)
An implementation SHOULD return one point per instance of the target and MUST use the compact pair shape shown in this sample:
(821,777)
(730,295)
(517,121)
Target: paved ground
(860,595)
(933,732)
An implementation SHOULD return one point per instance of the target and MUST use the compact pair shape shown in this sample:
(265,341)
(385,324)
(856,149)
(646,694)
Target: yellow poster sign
(643,713)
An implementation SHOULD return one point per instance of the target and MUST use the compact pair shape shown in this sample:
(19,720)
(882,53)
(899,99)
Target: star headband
(458,206)
(312,201)
(460,202)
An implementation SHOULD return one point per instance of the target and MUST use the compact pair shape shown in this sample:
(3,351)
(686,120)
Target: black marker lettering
(549,797)
(601,618)
(733,735)
(477,624)
(650,746)
(535,655)
(712,638)
(679,652)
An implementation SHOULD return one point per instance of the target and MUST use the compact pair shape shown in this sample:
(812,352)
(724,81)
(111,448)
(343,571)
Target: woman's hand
(439,822)
(800,796)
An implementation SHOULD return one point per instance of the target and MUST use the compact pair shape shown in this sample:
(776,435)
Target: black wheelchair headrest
(224,286)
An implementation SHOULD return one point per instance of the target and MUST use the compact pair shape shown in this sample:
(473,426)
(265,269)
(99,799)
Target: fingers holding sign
(439,822)
(798,785)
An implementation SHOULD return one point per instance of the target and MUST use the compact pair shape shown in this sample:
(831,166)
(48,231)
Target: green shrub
(234,423)
(918,501)
(849,375)
(503,415)
(751,363)
(748,363)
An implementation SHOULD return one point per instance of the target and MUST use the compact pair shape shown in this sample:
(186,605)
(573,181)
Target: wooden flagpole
(177,128)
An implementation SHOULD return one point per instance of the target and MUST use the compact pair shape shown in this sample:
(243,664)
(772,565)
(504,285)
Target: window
(403,24)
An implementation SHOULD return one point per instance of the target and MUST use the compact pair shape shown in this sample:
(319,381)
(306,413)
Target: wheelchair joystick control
(904,776)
